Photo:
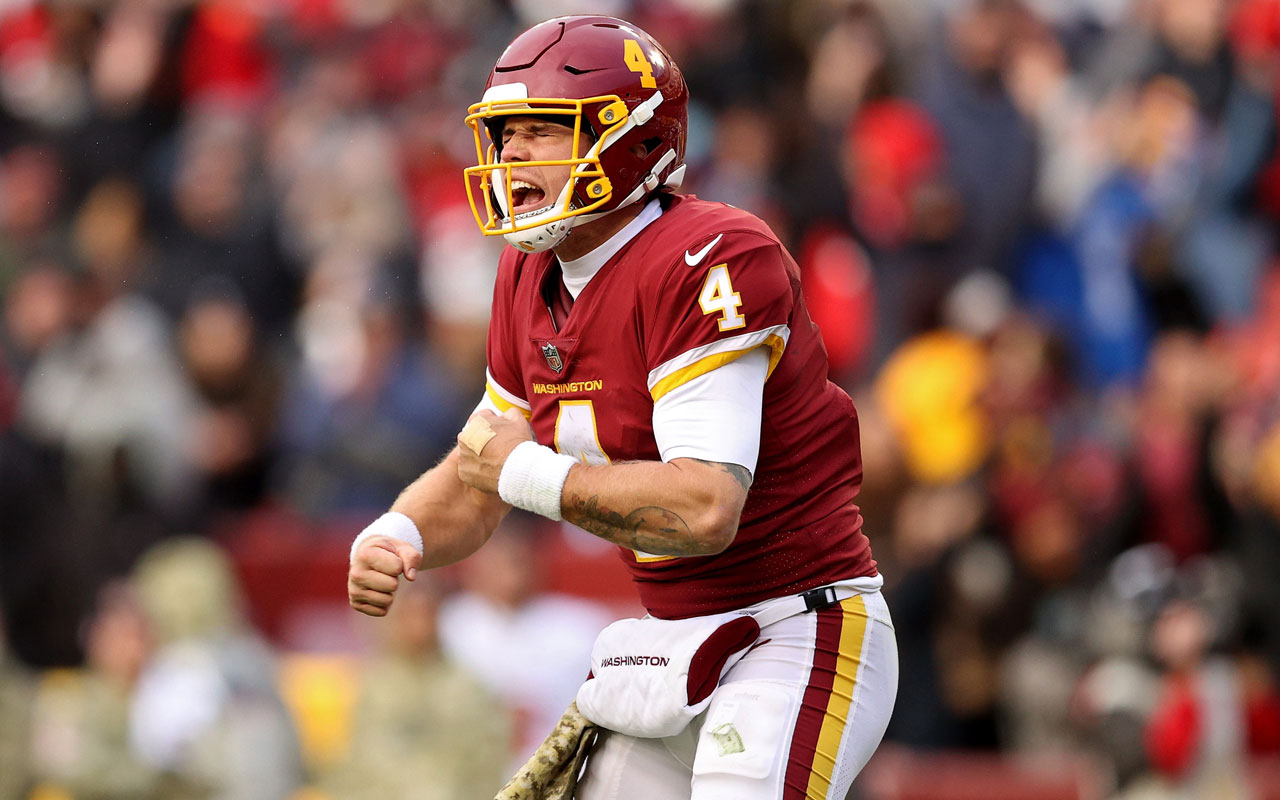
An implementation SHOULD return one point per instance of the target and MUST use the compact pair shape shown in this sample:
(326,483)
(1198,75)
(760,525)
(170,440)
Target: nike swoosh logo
(694,259)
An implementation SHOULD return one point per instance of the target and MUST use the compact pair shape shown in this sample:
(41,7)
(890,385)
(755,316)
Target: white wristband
(394,525)
(532,478)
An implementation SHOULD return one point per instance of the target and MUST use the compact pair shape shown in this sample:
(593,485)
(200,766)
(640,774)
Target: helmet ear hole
(647,148)
(642,150)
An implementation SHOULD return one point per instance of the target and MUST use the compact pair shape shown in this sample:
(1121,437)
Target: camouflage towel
(551,773)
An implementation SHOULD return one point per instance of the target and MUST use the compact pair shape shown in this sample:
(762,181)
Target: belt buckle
(818,599)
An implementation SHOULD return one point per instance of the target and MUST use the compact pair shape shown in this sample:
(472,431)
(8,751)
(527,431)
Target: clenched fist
(374,574)
(483,446)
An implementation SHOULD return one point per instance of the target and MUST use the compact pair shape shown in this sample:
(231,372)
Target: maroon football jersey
(694,290)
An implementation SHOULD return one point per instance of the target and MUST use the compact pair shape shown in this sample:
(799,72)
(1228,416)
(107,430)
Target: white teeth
(522,185)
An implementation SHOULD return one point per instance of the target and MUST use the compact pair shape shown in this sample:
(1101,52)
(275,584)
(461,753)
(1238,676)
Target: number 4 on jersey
(578,436)
(718,296)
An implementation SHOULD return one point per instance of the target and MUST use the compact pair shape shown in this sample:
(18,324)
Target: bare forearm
(681,508)
(454,519)
(647,528)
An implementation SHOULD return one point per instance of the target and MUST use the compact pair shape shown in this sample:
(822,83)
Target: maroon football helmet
(607,80)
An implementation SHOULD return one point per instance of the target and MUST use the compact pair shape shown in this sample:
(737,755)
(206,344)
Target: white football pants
(796,719)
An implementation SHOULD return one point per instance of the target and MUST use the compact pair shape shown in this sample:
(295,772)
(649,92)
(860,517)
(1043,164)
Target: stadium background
(244,303)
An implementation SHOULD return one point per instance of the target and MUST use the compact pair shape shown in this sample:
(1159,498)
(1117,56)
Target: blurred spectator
(29,207)
(17,701)
(1180,503)
(40,309)
(1224,243)
(530,648)
(1197,736)
(932,524)
(1073,146)
(990,147)
(455,276)
(424,728)
(840,294)
(207,711)
(740,162)
(335,167)
(216,224)
(368,407)
(1098,693)
(893,150)
(930,389)
(104,413)
(128,52)
(82,730)
(1257,546)
(40,565)
(225,56)
(905,207)
(851,62)
(1109,317)
(239,387)
(1191,47)
(112,395)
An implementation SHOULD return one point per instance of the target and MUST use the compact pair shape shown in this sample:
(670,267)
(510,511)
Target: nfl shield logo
(552,355)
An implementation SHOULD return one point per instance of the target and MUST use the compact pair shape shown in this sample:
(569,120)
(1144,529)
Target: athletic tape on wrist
(532,478)
(394,525)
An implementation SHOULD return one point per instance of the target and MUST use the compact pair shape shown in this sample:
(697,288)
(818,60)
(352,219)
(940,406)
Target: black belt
(820,598)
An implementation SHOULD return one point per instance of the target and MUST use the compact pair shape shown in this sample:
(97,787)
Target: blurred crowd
(239,281)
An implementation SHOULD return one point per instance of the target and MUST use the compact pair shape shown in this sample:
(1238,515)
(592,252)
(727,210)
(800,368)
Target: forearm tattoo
(650,529)
(740,473)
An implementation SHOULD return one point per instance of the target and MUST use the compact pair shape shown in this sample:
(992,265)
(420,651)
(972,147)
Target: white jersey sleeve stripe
(701,360)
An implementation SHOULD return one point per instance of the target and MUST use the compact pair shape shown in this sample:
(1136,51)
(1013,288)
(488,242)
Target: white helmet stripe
(506,91)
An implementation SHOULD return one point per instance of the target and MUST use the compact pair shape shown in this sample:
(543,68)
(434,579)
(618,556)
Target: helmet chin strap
(544,237)
(645,186)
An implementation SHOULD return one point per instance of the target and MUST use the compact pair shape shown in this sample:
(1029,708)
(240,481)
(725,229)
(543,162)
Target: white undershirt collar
(579,272)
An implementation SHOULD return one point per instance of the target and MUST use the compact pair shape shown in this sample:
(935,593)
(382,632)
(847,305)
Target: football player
(655,379)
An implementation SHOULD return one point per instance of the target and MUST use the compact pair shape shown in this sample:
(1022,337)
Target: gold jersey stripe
(853,632)
(501,402)
(702,366)
(776,345)
(647,558)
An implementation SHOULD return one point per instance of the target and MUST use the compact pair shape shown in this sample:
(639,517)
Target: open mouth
(525,197)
